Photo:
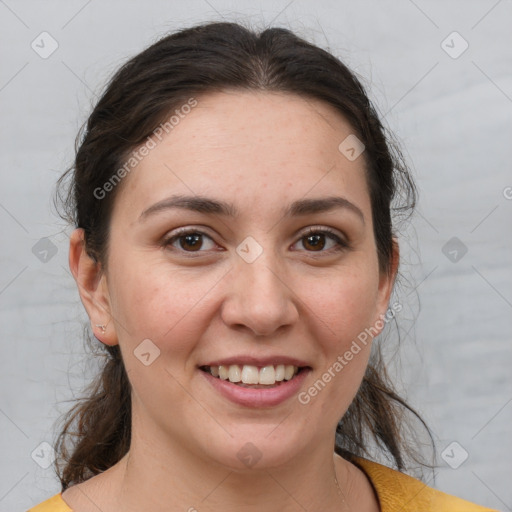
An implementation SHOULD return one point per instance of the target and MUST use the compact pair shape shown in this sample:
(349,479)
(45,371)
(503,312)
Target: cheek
(345,304)
(167,306)
(343,311)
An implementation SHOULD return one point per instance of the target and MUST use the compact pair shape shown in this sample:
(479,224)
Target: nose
(260,297)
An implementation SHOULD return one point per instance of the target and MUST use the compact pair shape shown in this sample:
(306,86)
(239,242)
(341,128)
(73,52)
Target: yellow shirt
(396,492)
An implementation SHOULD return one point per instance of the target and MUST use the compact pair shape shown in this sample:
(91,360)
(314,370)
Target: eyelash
(341,244)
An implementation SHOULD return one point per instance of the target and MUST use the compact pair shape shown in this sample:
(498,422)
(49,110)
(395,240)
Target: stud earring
(102,327)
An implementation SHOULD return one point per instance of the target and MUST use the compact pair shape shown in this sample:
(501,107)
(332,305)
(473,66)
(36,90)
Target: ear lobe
(387,279)
(92,287)
(395,261)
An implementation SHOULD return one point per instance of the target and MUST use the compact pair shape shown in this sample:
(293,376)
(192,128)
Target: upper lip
(257,361)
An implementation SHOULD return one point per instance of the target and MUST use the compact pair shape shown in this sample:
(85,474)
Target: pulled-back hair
(212,57)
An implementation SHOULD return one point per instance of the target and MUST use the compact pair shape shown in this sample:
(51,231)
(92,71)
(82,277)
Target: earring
(102,327)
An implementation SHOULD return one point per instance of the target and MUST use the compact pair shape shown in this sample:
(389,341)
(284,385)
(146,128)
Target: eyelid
(324,229)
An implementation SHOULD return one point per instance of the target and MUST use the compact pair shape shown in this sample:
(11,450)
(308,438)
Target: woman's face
(248,286)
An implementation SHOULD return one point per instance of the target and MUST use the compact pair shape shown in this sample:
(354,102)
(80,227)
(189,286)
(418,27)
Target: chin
(254,448)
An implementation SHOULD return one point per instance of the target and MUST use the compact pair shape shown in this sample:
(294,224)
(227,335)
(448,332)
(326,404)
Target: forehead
(255,146)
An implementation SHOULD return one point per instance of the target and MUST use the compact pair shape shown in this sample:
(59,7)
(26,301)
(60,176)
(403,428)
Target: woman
(235,253)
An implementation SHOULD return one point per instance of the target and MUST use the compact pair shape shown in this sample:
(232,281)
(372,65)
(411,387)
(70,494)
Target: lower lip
(261,397)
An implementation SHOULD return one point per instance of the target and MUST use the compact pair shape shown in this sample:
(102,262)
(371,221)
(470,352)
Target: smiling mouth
(250,376)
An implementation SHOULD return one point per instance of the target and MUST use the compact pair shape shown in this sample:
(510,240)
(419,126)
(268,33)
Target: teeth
(267,375)
(223,372)
(289,371)
(250,374)
(234,373)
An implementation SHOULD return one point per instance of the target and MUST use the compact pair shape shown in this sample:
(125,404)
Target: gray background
(453,116)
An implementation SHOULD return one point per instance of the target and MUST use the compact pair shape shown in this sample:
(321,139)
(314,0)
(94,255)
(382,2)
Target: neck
(159,479)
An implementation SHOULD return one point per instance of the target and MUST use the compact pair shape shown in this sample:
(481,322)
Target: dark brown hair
(138,98)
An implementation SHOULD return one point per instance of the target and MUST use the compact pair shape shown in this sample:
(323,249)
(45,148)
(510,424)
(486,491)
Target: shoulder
(53,504)
(398,491)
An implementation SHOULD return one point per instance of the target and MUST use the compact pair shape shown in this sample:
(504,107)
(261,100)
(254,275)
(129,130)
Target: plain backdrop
(440,74)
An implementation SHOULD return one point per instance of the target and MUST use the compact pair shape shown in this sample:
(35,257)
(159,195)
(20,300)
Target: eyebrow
(207,205)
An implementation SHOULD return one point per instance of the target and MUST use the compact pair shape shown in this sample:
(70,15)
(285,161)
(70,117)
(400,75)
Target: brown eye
(317,242)
(189,241)
(322,241)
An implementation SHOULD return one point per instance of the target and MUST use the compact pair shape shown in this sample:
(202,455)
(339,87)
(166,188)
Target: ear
(92,287)
(387,280)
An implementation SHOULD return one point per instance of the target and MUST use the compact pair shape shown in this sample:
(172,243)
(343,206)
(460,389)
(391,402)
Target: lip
(257,361)
(257,398)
